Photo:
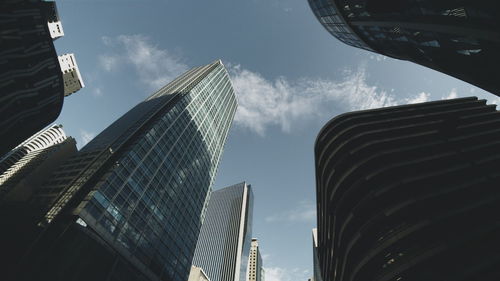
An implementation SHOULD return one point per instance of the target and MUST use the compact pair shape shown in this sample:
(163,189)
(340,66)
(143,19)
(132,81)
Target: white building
(71,74)
(197,274)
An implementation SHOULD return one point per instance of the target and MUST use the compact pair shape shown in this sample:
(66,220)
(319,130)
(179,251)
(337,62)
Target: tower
(459,38)
(410,193)
(224,243)
(130,203)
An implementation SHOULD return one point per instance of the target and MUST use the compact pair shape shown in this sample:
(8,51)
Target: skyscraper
(255,265)
(32,82)
(224,242)
(316,268)
(129,205)
(410,193)
(459,38)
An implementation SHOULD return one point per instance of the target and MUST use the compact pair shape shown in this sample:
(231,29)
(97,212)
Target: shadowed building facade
(224,243)
(129,205)
(459,38)
(33,80)
(410,193)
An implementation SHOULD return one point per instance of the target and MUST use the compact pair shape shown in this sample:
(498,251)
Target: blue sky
(290,76)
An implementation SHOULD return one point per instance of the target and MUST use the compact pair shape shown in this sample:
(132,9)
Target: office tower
(225,237)
(22,171)
(316,268)
(459,38)
(255,269)
(31,80)
(24,168)
(129,205)
(410,193)
(197,274)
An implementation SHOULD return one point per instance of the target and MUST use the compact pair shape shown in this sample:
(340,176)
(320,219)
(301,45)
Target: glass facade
(459,38)
(147,178)
(223,247)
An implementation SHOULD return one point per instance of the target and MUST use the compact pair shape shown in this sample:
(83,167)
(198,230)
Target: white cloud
(264,103)
(422,97)
(304,212)
(155,66)
(97,92)
(284,274)
(378,57)
(452,95)
(86,136)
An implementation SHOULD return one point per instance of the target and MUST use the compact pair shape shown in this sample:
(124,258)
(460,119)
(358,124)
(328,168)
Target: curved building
(223,246)
(19,164)
(129,205)
(33,79)
(459,38)
(410,193)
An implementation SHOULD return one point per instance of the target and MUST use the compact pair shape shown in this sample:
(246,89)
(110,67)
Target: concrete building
(129,205)
(197,274)
(223,246)
(255,264)
(459,38)
(32,83)
(410,193)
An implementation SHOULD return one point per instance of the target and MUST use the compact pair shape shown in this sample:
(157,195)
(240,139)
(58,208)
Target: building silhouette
(410,193)
(224,243)
(459,38)
(129,205)
(255,264)
(32,82)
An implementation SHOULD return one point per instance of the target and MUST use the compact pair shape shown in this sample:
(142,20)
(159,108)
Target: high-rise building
(410,193)
(255,265)
(27,166)
(459,38)
(22,171)
(225,237)
(316,268)
(32,82)
(129,205)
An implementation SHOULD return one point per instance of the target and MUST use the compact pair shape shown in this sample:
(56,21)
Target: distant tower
(225,237)
(255,265)
(410,193)
(33,80)
(316,268)
(459,38)
(129,204)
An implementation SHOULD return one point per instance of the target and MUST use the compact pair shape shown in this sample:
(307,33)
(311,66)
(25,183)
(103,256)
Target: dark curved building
(410,193)
(459,38)
(33,79)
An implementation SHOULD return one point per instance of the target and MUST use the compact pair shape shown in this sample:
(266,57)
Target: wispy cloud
(154,65)
(264,103)
(305,211)
(285,274)
(452,95)
(86,136)
(422,97)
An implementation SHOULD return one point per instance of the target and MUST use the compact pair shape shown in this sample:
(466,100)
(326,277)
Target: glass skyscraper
(459,38)
(224,243)
(133,199)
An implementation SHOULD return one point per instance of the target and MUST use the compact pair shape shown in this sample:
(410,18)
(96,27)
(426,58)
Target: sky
(290,76)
